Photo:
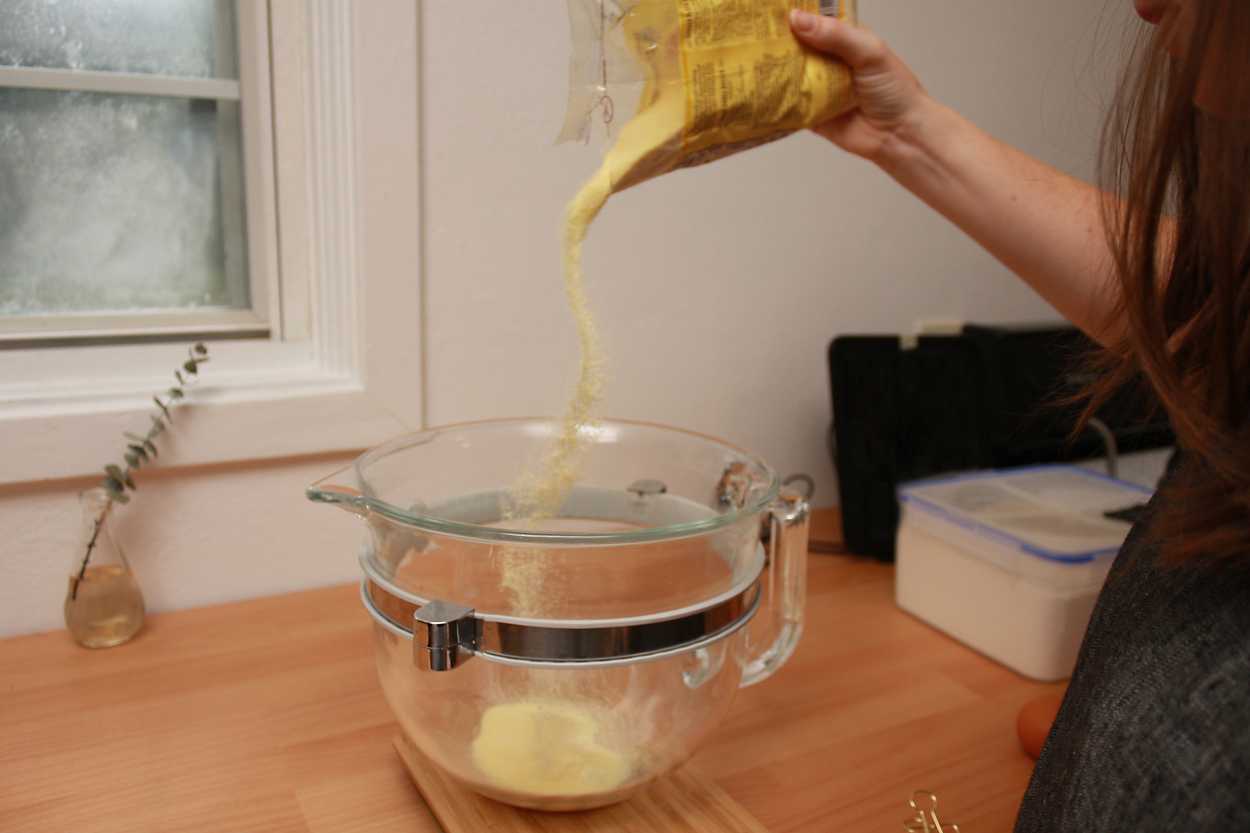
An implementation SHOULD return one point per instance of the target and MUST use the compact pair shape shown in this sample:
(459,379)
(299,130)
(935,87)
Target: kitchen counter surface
(266,715)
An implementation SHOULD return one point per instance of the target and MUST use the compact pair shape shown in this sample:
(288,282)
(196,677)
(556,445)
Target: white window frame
(343,104)
(263,317)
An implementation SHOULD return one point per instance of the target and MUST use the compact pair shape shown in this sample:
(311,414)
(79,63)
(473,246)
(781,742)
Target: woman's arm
(1040,223)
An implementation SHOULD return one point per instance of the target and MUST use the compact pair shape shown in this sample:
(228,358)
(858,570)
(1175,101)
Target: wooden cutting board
(681,802)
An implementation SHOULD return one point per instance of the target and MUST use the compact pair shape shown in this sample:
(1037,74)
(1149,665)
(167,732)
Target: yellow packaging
(716,77)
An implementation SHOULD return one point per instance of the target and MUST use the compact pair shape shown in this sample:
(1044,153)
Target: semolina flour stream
(717,77)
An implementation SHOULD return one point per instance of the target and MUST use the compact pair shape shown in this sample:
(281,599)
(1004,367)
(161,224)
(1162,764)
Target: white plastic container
(1011,562)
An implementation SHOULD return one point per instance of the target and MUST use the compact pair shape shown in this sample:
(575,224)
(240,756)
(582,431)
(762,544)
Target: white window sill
(236,416)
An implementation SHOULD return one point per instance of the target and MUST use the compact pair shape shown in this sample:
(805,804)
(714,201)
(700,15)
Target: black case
(991,397)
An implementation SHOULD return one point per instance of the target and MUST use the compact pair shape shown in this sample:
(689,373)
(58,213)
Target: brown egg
(1035,720)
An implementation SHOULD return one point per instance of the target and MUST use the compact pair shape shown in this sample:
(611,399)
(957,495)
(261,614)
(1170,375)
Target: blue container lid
(1056,512)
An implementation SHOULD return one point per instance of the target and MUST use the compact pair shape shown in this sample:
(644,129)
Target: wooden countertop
(266,716)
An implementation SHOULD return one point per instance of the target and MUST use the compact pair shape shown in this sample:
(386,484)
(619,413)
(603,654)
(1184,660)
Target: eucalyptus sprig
(141,449)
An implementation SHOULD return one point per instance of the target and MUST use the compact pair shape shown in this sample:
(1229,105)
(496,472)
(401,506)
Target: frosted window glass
(167,37)
(119,203)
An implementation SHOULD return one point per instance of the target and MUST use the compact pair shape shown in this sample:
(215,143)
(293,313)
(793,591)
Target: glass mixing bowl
(562,663)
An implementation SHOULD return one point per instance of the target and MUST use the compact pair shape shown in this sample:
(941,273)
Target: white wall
(717,289)
(192,538)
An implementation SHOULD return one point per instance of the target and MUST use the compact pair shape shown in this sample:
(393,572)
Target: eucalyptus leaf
(142,449)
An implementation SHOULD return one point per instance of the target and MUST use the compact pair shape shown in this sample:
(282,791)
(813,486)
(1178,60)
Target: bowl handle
(785,593)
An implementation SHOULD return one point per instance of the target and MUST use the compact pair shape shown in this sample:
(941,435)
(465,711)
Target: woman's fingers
(887,92)
(855,46)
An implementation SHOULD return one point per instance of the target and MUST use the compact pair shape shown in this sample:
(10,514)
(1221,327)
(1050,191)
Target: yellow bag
(716,77)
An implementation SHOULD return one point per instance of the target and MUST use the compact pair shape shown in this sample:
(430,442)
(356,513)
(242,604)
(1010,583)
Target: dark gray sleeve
(1154,733)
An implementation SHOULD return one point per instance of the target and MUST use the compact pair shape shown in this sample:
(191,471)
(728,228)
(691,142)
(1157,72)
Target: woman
(1154,731)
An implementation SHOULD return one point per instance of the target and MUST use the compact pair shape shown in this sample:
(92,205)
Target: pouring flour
(719,77)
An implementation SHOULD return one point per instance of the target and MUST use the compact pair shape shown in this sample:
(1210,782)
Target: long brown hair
(1176,168)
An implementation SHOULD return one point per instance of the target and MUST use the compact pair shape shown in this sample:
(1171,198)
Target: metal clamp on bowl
(446,634)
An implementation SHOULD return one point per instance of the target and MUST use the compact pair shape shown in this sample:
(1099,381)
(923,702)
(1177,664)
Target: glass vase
(103,603)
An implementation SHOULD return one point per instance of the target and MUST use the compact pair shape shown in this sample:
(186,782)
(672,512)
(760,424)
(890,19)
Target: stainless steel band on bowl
(445,634)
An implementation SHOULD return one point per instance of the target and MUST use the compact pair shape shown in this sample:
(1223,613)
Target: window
(124,205)
(316,101)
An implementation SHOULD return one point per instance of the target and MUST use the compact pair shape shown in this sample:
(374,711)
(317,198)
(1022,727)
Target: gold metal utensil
(924,804)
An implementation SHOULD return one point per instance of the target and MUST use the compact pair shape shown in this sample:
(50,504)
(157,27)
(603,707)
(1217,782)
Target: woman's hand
(892,103)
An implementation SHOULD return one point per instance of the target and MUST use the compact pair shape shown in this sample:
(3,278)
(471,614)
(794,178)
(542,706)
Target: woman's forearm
(1042,224)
